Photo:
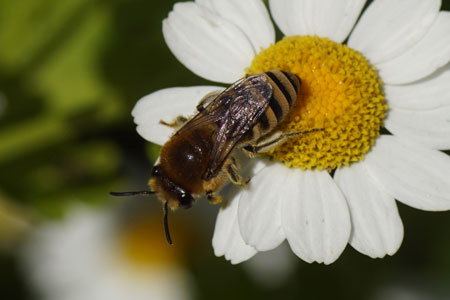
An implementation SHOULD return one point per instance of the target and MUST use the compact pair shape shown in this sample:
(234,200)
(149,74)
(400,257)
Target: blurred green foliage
(70,73)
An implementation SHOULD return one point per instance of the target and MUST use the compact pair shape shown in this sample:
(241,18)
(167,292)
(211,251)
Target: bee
(198,159)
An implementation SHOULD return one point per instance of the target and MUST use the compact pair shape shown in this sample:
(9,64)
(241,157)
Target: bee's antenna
(166,224)
(140,193)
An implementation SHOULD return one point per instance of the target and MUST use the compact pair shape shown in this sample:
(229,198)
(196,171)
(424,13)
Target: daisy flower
(90,255)
(320,191)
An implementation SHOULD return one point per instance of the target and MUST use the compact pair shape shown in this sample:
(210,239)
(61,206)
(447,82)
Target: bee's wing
(234,97)
(235,111)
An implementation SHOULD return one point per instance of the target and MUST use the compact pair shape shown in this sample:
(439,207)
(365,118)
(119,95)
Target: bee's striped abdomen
(285,87)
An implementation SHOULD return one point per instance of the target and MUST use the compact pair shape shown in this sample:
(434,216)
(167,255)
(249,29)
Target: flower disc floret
(341,93)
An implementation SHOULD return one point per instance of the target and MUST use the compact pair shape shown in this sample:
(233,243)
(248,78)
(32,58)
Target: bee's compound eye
(186,200)
(156,170)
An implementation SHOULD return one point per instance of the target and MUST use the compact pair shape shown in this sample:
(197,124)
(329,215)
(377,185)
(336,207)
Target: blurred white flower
(408,288)
(88,257)
(406,48)
(271,269)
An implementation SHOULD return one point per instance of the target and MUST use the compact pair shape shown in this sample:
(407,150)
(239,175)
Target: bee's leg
(264,144)
(272,141)
(207,99)
(231,169)
(176,123)
(213,198)
(250,150)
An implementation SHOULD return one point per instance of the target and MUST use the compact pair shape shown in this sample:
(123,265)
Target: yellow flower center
(341,93)
(143,244)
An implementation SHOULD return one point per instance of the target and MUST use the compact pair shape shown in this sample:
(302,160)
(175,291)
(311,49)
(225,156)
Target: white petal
(430,128)
(430,93)
(422,59)
(227,239)
(165,105)
(206,3)
(250,16)
(377,229)
(206,43)
(249,166)
(414,175)
(388,28)
(325,18)
(260,208)
(315,218)
(287,14)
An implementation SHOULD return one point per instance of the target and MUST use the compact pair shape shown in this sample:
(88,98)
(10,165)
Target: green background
(70,74)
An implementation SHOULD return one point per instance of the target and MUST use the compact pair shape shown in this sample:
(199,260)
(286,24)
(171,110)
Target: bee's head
(168,191)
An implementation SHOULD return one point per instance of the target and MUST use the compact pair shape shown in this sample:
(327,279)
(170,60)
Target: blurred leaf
(28,27)
(13,224)
(70,80)
(30,136)
(50,59)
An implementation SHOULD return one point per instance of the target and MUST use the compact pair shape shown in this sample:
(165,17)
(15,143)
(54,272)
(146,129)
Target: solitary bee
(198,159)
